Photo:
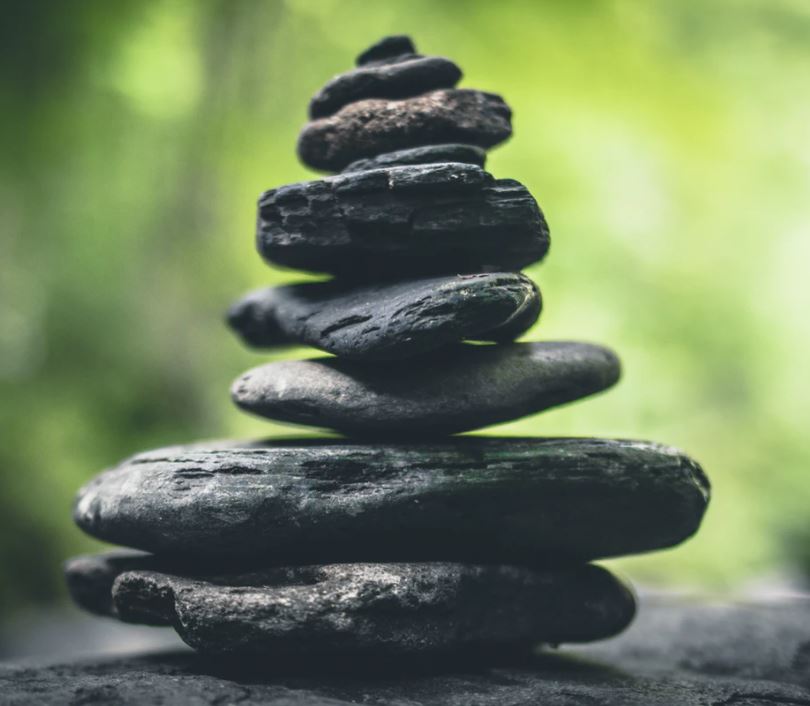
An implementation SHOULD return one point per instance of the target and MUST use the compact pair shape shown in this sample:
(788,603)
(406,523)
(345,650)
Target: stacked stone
(399,540)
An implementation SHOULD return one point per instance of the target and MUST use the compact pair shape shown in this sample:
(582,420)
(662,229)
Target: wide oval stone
(452,152)
(370,127)
(389,321)
(398,221)
(470,499)
(458,389)
(374,609)
(409,76)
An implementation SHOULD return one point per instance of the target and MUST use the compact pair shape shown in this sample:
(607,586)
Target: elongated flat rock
(452,152)
(389,321)
(370,127)
(375,609)
(461,388)
(427,218)
(470,499)
(409,76)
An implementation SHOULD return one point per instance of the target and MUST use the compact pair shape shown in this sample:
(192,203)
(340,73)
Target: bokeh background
(668,143)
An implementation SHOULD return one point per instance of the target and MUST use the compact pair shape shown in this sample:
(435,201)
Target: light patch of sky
(628,188)
(158,68)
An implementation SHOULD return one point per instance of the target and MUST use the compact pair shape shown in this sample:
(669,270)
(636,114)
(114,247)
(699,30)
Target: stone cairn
(400,540)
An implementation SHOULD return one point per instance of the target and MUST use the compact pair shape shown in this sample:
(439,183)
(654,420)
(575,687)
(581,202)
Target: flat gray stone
(388,321)
(678,652)
(370,127)
(377,609)
(462,388)
(409,76)
(453,152)
(401,221)
(468,499)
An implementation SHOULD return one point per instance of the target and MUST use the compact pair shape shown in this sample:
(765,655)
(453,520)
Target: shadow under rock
(264,670)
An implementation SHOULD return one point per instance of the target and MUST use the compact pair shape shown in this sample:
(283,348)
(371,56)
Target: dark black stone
(460,389)
(393,46)
(372,126)
(419,219)
(389,321)
(411,76)
(678,652)
(453,152)
(469,499)
(375,609)
(90,578)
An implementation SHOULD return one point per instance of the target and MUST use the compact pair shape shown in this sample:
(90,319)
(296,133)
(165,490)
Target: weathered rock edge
(388,321)
(452,152)
(412,219)
(536,502)
(457,389)
(378,609)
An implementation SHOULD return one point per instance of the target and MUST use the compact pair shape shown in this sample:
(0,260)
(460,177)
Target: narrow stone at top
(392,46)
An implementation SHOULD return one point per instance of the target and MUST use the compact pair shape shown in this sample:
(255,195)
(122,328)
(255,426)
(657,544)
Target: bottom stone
(375,609)
(684,650)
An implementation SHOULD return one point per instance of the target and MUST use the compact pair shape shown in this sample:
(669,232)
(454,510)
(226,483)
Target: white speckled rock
(376,609)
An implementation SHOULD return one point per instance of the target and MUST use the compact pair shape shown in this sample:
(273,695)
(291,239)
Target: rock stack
(400,539)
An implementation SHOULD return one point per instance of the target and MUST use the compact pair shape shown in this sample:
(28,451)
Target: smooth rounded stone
(452,152)
(386,49)
(472,499)
(410,76)
(406,220)
(460,389)
(389,321)
(374,609)
(375,125)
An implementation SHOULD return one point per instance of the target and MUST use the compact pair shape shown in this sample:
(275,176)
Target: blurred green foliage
(666,141)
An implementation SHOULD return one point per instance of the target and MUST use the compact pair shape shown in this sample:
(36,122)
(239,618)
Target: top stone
(388,48)
(397,100)
(372,126)
(408,76)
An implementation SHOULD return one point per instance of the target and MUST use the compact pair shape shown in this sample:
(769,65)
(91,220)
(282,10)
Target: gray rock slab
(452,152)
(495,500)
(399,221)
(678,652)
(410,76)
(375,125)
(388,321)
(459,389)
(377,609)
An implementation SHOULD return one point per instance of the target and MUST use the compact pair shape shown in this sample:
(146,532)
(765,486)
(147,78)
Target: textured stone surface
(451,152)
(408,77)
(470,499)
(376,125)
(677,653)
(434,218)
(387,49)
(461,388)
(386,608)
(389,321)
(90,578)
